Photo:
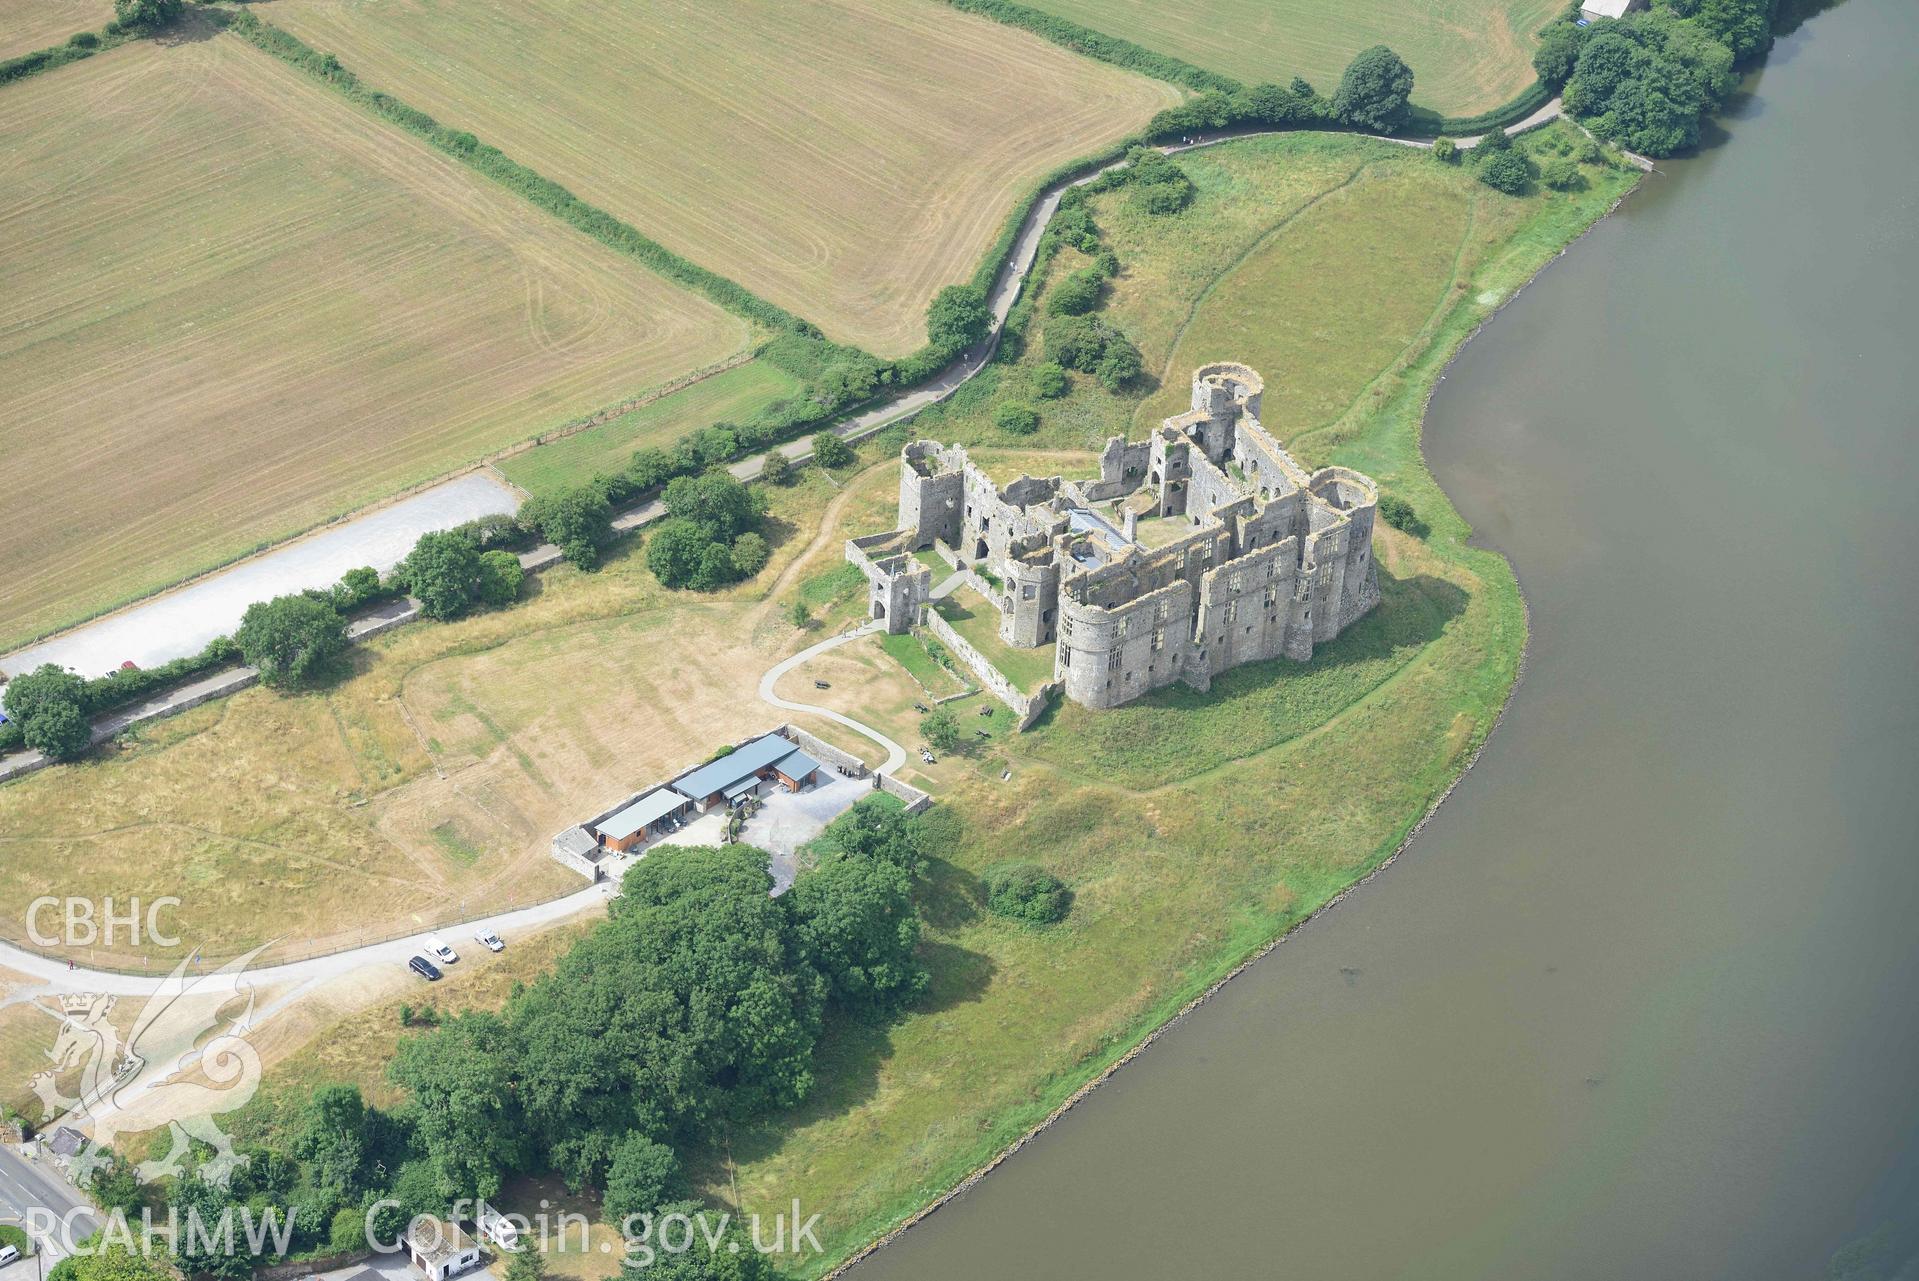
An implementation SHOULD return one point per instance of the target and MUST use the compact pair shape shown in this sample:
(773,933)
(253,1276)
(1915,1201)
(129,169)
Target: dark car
(424,968)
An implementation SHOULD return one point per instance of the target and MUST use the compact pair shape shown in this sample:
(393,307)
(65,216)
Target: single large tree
(1376,91)
(291,639)
(645,1175)
(50,705)
(957,317)
(443,573)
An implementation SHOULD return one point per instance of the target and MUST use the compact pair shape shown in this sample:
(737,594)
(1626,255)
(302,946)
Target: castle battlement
(1202,547)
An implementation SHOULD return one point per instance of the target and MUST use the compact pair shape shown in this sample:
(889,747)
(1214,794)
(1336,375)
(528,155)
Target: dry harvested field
(232,306)
(26,25)
(1466,55)
(843,158)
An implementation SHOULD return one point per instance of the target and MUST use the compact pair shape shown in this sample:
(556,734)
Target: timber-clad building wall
(1200,548)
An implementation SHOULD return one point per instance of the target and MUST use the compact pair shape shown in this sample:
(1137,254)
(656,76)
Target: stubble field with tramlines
(1467,56)
(233,306)
(26,25)
(844,159)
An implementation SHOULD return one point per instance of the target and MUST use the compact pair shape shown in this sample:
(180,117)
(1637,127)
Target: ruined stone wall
(1112,656)
(1246,608)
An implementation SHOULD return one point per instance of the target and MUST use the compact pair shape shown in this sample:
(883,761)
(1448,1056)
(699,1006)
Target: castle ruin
(1197,549)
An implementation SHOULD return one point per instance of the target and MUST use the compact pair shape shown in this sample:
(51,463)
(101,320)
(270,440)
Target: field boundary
(1423,122)
(1116,50)
(615,233)
(34,61)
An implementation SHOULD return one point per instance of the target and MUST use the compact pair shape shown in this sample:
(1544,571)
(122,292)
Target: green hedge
(1428,123)
(60,55)
(1100,46)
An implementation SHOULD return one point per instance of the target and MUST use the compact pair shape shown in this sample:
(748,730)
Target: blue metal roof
(796,764)
(717,776)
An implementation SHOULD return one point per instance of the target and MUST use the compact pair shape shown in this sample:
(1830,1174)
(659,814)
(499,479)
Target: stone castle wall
(1273,562)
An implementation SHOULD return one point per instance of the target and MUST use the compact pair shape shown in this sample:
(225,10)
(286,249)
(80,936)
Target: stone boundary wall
(1026,709)
(822,751)
(916,801)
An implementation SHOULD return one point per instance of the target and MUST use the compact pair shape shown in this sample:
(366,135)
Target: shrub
(84,40)
(49,705)
(1161,198)
(1562,174)
(750,554)
(1375,92)
(777,469)
(292,639)
(1399,513)
(1106,263)
(830,451)
(1120,364)
(1049,381)
(1076,342)
(1445,151)
(798,614)
(1016,419)
(356,587)
(1590,153)
(1023,892)
(1493,140)
(1076,293)
(1506,171)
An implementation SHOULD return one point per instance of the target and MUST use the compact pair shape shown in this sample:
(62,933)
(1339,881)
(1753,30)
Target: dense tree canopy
(147,15)
(50,705)
(460,1076)
(830,451)
(291,639)
(1376,91)
(717,502)
(1646,80)
(855,923)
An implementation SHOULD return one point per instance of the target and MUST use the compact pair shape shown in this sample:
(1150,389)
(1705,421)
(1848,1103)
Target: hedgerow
(615,234)
(1099,45)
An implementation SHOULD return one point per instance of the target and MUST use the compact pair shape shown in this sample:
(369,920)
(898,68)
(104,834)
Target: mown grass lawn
(977,620)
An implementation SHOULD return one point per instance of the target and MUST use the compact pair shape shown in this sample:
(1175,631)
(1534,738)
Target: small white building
(438,1249)
(1595,9)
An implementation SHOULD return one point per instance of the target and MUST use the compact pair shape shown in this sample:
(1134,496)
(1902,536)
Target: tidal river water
(1643,1000)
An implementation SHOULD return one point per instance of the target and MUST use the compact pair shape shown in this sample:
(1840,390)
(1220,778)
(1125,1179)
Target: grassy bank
(1195,829)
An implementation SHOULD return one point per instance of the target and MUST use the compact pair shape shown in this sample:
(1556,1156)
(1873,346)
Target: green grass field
(1467,56)
(1192,828)
(976,619)
(843,158)
(233,306)
(728,396)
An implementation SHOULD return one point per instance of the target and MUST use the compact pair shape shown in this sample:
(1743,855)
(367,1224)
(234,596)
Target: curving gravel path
(895,754)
